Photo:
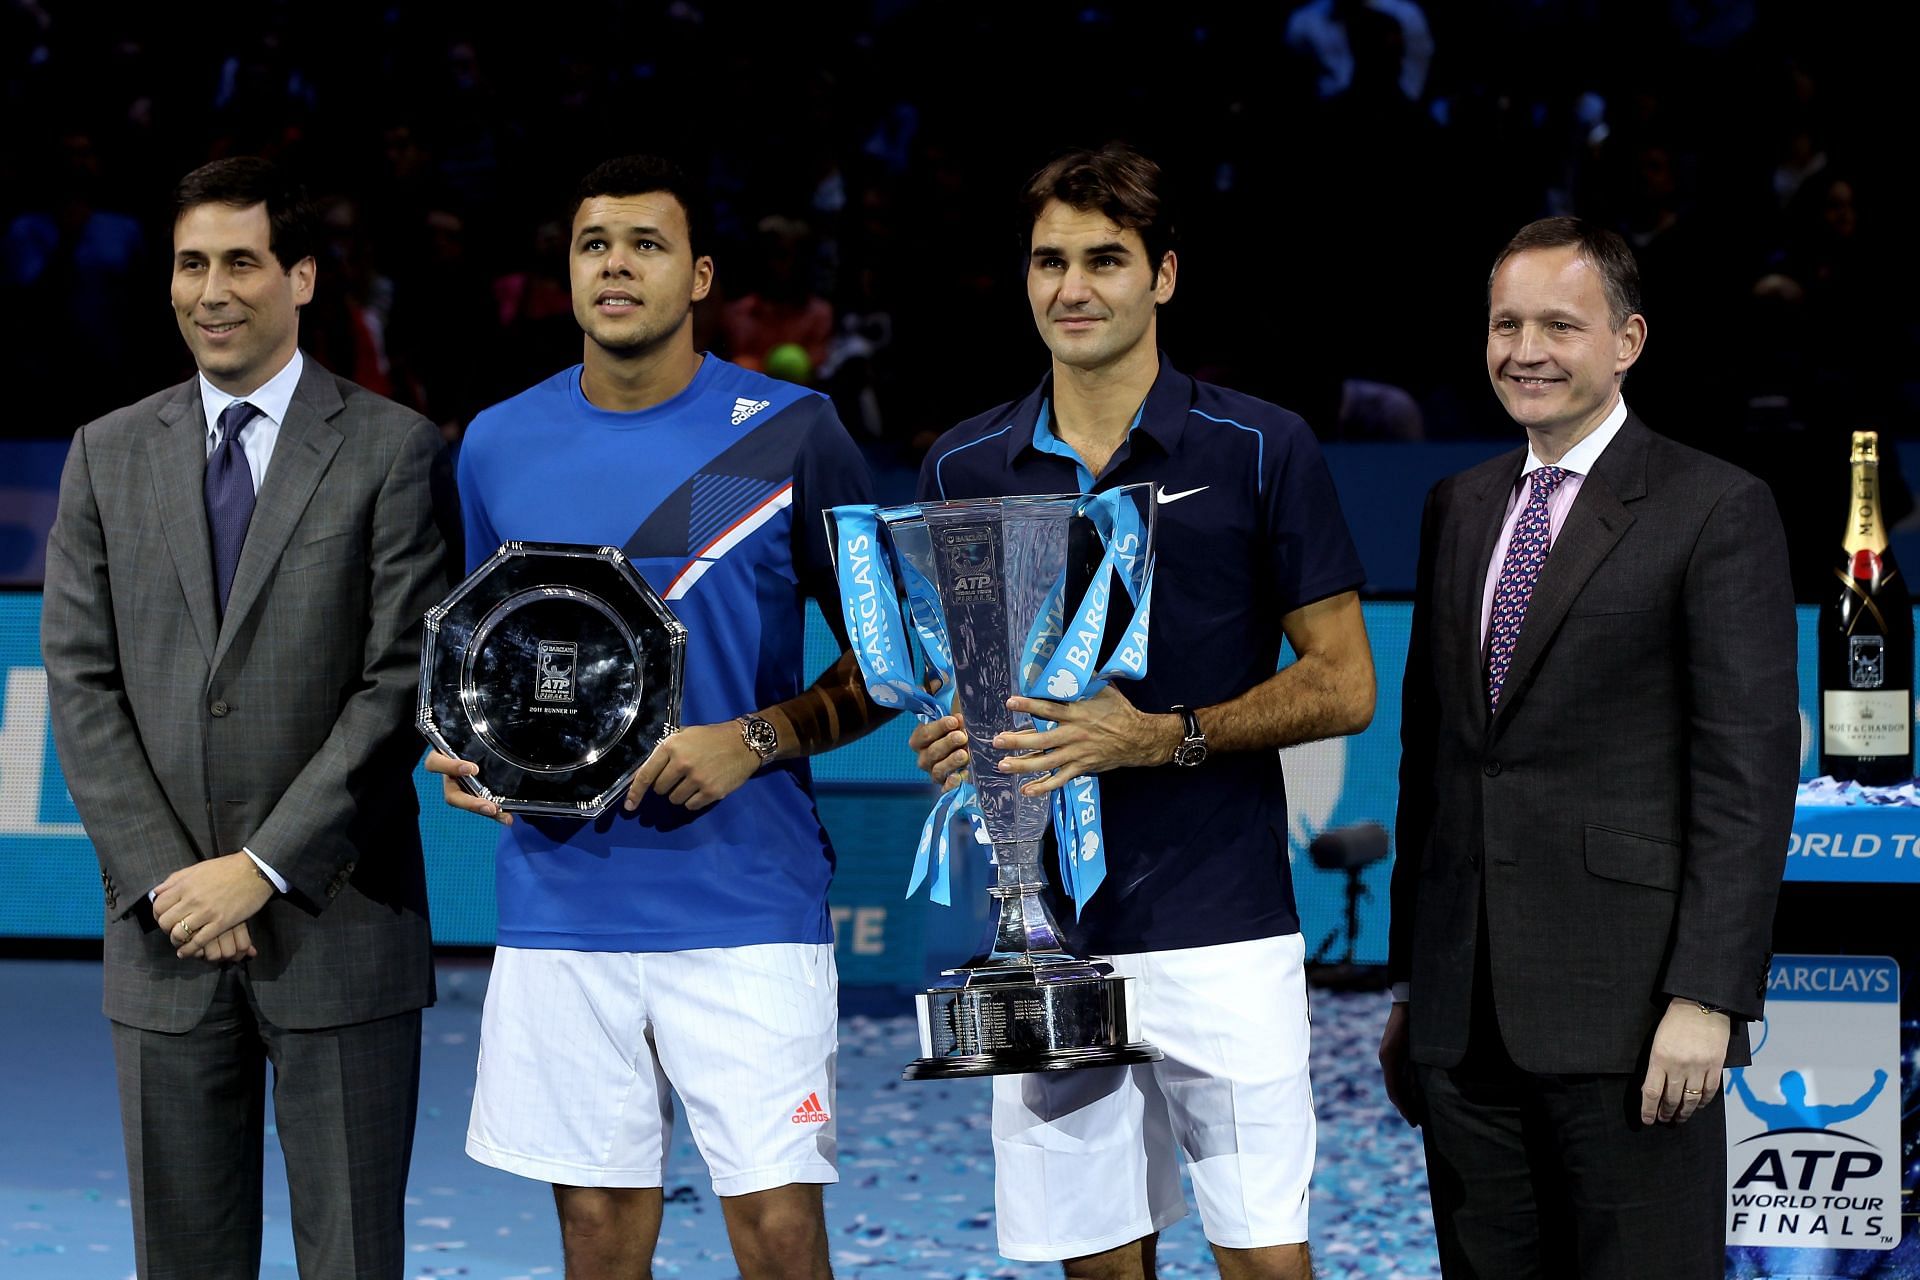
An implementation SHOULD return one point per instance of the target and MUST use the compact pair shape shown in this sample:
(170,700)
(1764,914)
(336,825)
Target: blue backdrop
(871,798)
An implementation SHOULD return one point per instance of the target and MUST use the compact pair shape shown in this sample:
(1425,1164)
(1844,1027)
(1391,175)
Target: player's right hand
(451,769)
(940,749)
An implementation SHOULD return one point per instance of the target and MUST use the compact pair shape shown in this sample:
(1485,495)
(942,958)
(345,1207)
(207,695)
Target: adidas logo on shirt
(744,408)
(810,1111)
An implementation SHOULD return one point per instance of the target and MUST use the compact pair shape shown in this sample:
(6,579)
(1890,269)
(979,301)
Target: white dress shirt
(272,398)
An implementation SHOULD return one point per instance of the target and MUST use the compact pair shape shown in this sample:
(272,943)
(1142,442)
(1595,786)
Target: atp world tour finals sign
(1813,1126)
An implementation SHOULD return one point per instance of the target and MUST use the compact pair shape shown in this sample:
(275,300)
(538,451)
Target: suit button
(219,708)
(1493,768)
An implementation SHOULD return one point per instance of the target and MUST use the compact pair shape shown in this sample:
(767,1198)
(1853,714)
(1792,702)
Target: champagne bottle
(1866,644)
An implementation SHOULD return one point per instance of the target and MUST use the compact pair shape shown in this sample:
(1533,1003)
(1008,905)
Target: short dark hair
(1115,179)
(293,229)
(638,175)
(1602,249)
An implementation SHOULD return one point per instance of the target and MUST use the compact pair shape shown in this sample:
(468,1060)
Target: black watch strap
(1193,744)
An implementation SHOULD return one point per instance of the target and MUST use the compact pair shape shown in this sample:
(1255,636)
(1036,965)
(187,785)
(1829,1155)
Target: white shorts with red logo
(581,1052)
(1088,1160)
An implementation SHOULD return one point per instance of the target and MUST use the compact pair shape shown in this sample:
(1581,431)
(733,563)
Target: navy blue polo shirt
(1249,529)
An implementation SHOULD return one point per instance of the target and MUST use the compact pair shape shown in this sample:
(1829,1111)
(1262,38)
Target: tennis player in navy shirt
(1198,903)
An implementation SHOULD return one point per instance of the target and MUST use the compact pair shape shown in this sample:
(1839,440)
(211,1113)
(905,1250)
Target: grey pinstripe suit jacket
(286,727)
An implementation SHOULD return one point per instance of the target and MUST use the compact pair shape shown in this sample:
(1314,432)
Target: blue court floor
(915,1197)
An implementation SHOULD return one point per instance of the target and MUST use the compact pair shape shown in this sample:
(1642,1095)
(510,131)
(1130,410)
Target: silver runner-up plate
(556,669)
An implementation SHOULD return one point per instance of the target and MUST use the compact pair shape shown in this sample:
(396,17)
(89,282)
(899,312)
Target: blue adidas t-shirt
(1248,529)
(716,496)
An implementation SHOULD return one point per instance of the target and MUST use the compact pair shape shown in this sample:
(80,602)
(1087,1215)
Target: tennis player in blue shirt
(1197,906)
(682,938)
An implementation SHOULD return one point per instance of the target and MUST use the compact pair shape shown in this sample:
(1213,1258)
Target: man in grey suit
(235,584)
(1600,744)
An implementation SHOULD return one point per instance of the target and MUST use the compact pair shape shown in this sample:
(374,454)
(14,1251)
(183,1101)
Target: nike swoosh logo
(1164,497)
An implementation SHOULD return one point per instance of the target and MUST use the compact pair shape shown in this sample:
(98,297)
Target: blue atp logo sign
(1813,1132)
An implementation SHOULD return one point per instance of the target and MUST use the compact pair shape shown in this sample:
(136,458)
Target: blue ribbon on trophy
(870,605)
(1064,667)
(934,846)
(1060,662)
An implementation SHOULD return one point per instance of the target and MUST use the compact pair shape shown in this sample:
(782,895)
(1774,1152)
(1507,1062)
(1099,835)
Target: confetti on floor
(915,1199)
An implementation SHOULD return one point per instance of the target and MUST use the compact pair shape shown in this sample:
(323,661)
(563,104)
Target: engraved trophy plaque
(556,669)
(990,587)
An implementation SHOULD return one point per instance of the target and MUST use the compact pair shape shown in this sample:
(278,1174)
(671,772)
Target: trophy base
(986,1064)
(1022,1018)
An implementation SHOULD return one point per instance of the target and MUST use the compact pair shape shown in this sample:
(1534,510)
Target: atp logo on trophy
(557,659)
(969,565)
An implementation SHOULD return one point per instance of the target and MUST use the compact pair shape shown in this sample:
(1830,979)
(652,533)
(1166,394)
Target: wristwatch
(760,736)
(1193,747)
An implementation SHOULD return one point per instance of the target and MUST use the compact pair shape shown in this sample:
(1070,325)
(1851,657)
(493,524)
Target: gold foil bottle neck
(1865,532)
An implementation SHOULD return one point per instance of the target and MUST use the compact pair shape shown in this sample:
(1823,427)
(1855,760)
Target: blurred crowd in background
(1345,170)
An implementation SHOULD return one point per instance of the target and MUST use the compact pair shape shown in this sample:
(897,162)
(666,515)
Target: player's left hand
(695,766)
(1396,1063)
(1093,735)
(1683,1072)
(200,903)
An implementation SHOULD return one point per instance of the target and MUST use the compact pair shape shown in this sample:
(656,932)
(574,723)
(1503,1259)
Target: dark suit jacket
(286,728)
(1625,816)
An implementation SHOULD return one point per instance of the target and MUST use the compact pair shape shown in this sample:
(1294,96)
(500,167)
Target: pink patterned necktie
(1532,537)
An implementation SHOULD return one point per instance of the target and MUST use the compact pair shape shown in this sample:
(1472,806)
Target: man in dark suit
(235,584)
(1600,745)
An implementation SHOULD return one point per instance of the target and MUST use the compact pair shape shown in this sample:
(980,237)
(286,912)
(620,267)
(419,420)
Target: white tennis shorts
(578,1048)
(1087,1160)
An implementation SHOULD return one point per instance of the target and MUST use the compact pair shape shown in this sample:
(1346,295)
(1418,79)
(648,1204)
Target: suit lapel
(301,456)
(178,455)
(1483,509)
(1596,522)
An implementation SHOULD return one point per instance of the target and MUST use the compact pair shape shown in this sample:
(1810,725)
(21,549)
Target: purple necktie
(229,497)
(1532,536)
